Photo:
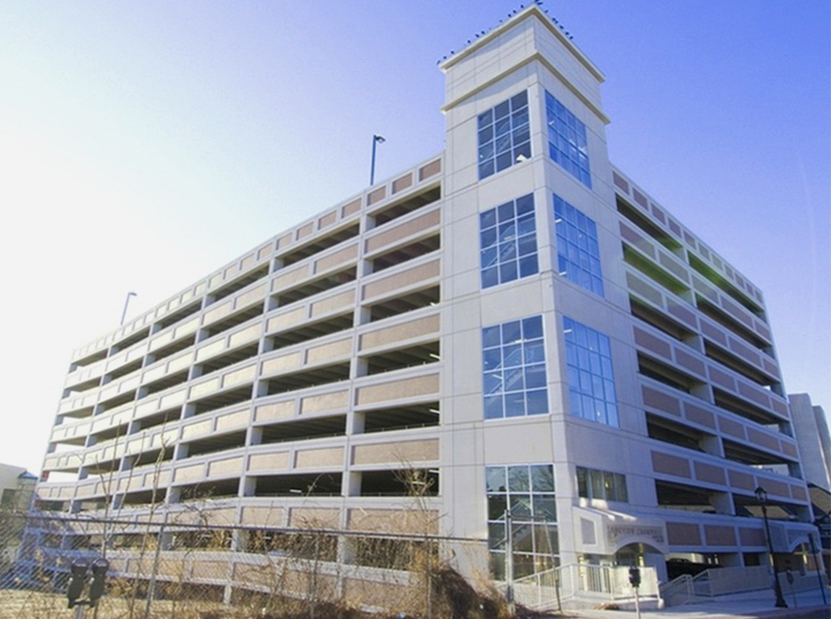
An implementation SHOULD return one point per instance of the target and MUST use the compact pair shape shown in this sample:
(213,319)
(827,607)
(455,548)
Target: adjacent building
(811,432)
(512,324)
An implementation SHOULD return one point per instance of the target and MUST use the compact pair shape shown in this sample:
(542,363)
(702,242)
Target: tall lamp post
(126,303)
(376,139)
(762,496)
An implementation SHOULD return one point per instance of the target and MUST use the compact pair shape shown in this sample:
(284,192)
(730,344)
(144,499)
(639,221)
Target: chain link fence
(201,571)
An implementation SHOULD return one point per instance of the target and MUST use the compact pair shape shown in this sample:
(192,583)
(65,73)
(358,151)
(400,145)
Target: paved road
(757,605)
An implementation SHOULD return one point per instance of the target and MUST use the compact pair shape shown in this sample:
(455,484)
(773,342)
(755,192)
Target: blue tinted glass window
(567,144)
(504,135)
(513,369)
(591,382)
(508,242)
(578,253)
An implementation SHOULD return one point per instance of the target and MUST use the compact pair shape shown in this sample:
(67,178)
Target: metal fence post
(151,588)
(509,561)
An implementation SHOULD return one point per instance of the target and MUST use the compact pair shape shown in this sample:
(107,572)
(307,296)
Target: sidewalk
(756,604)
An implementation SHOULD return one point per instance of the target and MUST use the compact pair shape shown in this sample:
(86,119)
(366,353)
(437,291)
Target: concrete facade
(304,377)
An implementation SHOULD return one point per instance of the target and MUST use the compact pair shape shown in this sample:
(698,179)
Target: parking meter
(77,581)
(635,577)
(99,574)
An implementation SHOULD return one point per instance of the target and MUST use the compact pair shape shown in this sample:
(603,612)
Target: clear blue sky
(143,145)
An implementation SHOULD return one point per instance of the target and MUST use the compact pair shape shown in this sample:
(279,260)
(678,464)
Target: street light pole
(376,139)
(126,303)
(762,496)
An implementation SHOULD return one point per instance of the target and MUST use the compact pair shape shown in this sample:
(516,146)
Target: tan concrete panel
(247,261)
(327,352)
(775,487)
(752,537)
(652,343)
(270,516)
(398,389)
(305,231)
(661,401)
(269,461)
(327,220)
(735,310)
(403,279)
(745,352)
(342,300)
(180,363)
(733,428)
(220,311)
(401,452)
(376,196)
(231,467)
(317,458)
(413,521)
(718,535)
(147,408)
(401,183)
(277,410)
(698,415)
(351,208)
(282,364)
(249,334)
(682,313)
(265,251)
(161,340)
(779,405)
(240,376)
(430,169)
(637,240)
(404,230)
(204,388)
(670,465)
(709,473)
(231,271)
(690,362)
(197,429)
(400,332)
(620,182)
(722,379)
(210,350)
(173,399)
(741,480)
(314,518)
(324,402)
(289,278)
(713,332)
(339,258)
(683,534)
(232,420)
(705,289)
(789,449)
(252,296)
(286,320)
(765,440)
(189,473)
(754,394)
(283,241)
(673,267)
(635,284)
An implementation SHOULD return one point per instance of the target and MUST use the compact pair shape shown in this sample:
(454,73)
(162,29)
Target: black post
(777,587)
(376,139)
(818,562)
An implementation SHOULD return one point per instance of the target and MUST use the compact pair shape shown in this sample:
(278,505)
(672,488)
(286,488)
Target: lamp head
(761,494)
(379,138)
